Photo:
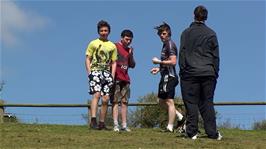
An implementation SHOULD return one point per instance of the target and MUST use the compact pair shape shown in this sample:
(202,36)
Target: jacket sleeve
(215,51)
(181,59)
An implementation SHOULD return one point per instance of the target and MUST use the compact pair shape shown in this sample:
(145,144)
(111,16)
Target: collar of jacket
(197,23)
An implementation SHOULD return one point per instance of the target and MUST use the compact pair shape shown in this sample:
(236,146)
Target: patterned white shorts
(100,81)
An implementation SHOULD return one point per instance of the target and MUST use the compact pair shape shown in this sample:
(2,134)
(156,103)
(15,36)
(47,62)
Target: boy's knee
(104,102)
(124,103)
(114,104)
(170,102)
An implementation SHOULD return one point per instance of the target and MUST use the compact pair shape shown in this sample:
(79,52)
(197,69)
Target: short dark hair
(103,23)
(163,27)
(127,33)
(200,13)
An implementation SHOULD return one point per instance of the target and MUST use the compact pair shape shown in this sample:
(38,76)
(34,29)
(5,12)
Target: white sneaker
(126,129)
(219,136)
(194,137)
(116,128)
(169,129)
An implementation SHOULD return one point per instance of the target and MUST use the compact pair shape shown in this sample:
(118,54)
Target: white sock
(115,123)
(124,125)
(170,127)
(179,115)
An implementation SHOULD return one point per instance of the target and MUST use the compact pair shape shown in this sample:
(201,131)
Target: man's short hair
(127,33)
(163,27)
(103,23)
(200,13)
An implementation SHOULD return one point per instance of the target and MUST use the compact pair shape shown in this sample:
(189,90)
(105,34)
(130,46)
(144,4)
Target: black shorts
(167,87)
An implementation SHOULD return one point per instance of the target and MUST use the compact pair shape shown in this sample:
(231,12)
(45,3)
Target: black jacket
(199,51)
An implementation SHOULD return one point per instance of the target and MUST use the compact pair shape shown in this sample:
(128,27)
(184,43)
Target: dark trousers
(197,94)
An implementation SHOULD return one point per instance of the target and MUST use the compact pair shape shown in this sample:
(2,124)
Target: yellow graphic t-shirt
(102,53)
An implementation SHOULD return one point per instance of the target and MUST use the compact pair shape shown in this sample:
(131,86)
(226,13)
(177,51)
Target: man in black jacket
(199,68)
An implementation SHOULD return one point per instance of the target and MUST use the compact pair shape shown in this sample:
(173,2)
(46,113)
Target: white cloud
(15,20)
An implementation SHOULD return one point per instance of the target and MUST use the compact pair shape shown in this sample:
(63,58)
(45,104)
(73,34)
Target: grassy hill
(67,137)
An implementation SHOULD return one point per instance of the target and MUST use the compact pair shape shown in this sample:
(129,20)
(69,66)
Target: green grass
(64,137)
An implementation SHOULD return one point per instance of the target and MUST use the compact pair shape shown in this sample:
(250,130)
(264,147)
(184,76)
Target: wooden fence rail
(4,105)
(129,104)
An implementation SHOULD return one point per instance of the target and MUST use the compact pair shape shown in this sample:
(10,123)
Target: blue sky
(43,48)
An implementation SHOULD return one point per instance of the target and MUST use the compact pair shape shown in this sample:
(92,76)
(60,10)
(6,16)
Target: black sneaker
(180,123)
(93,125)
(102,126)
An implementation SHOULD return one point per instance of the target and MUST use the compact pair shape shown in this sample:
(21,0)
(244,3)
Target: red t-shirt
(122,63)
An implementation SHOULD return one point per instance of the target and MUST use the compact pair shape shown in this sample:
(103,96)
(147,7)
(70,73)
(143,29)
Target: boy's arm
(131,61)
(113,68)
(88,64)
(170,61)
(89,53)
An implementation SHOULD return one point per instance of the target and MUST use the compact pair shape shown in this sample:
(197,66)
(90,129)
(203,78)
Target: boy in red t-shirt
(121,89)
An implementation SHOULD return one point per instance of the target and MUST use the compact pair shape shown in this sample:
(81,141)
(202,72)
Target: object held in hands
(155,60)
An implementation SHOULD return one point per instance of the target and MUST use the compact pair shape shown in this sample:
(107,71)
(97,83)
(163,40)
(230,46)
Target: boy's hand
(155,70)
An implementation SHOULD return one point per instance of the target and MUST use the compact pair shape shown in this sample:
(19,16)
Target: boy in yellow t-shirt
(101,56)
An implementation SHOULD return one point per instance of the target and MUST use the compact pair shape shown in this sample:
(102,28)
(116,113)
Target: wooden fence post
(89,103)
(1,111)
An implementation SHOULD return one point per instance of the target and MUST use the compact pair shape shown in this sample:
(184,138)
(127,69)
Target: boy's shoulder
(95,41)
